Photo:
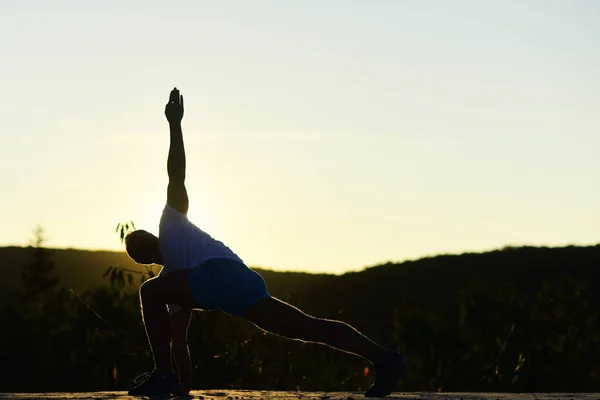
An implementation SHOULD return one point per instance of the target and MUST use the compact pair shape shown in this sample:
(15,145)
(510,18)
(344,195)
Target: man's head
(142,247)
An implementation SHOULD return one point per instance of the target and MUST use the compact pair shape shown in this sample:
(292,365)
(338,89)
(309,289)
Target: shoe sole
(399,374)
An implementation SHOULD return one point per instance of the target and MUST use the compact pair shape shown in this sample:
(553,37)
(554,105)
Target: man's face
(142,247)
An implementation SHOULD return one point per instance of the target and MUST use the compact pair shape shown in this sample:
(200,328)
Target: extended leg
(283,319)
(280,318)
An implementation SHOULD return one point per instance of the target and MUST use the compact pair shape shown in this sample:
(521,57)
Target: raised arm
(176,192)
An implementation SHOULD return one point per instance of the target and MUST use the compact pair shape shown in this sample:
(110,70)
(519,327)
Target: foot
(387,373)
(155,384)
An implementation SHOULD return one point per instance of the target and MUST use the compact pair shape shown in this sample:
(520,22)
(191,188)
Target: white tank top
(183,245)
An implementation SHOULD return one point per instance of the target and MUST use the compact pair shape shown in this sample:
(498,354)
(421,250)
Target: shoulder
(171,215)
(171,212)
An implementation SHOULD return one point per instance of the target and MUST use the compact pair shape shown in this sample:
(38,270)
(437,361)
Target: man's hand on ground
(174,108)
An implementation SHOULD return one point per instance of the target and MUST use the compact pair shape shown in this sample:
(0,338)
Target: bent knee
(148,288)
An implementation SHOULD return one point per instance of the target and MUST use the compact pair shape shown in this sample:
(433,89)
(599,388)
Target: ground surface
(252,394)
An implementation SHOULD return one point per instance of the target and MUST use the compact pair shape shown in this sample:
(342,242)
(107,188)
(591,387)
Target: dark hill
(513,320)
(430,282)
(83,269)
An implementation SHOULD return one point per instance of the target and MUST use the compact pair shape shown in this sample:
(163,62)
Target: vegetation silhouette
(520,319)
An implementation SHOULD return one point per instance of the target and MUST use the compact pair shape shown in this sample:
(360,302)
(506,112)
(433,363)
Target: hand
(174,108)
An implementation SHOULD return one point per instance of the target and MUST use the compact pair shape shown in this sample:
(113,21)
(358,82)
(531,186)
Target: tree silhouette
(38,275)
(514,320)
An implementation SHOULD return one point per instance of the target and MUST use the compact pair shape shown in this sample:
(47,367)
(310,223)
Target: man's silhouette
(200,272)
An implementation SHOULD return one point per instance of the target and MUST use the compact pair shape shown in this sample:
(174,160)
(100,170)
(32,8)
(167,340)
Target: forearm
(176,159)
(184,364)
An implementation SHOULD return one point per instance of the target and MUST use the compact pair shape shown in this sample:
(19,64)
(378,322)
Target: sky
(321,136)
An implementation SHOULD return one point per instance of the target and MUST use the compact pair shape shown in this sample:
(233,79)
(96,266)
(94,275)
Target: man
(200,272)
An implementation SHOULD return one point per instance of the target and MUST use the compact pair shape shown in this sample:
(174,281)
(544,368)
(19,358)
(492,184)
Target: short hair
(135,234)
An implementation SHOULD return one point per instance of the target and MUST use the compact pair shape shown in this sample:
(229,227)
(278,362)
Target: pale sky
(323,136)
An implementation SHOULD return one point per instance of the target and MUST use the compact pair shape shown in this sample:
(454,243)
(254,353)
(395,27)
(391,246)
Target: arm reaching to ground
(179,327)
(176,192)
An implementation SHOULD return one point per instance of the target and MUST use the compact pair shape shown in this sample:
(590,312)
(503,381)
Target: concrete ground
(253,394)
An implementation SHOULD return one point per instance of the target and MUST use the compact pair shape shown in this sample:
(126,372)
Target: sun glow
(148,217)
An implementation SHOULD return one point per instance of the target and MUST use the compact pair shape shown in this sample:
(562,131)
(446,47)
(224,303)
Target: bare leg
(283,319)
(155,293)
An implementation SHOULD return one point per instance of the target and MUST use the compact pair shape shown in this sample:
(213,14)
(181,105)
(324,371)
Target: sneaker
(154,384)
(387,373)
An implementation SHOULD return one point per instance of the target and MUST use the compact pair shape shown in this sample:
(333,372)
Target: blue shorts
(226,284)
